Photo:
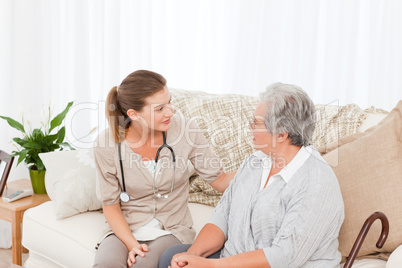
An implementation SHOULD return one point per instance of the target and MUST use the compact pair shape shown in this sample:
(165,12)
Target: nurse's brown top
(189,145)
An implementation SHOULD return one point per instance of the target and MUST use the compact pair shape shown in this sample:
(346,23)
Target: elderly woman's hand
(137,250)
(190,261)
(174,263)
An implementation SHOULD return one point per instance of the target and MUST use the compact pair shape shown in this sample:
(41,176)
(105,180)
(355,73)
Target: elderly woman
(284,207)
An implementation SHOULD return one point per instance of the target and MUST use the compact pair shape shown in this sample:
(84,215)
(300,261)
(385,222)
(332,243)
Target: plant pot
(38,181)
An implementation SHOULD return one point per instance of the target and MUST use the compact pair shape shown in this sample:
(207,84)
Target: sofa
(64,232)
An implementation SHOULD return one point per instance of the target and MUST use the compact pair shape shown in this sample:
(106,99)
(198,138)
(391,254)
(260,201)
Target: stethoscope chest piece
(124,197)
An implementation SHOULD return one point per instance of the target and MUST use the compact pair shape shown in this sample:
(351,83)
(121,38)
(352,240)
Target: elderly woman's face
(263,140)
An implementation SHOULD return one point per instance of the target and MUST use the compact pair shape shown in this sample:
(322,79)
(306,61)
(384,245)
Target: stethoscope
(125,197)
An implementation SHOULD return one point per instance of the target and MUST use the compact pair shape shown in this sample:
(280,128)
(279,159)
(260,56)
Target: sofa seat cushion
(200,214)
(62,241)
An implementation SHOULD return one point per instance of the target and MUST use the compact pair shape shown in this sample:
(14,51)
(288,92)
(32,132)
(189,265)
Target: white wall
(57,51)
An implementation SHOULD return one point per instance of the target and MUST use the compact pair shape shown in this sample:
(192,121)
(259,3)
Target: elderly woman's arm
(254,258)
(212,237)
(210,240)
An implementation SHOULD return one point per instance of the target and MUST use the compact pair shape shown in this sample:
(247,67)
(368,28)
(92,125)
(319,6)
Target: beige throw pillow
(369,170)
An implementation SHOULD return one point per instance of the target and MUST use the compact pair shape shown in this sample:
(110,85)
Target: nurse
(147,211)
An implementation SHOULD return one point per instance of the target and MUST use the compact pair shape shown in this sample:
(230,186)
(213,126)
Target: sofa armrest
(395,259)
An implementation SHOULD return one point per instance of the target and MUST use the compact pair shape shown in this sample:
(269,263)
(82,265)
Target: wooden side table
(13,212)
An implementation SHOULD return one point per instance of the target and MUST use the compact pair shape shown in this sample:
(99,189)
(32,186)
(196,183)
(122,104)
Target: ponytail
(118,121)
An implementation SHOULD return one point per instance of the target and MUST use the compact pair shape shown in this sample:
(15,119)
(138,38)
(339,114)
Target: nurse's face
(157,112)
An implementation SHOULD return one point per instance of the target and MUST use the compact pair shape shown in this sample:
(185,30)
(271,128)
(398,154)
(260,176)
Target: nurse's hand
(136,251)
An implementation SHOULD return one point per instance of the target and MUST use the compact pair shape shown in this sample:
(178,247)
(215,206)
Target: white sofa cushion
(71,181)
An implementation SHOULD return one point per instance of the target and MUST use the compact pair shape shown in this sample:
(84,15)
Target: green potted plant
(34,142)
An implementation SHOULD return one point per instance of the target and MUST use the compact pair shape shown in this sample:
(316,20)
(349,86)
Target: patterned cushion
(224,121)
(334,122)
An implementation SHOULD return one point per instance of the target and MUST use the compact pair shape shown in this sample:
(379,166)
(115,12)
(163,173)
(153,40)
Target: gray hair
(289,109)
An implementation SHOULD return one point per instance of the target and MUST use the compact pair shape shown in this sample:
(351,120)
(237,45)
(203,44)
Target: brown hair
(131,94)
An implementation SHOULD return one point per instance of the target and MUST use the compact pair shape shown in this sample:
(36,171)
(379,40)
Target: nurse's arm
(119,225)
(222,182)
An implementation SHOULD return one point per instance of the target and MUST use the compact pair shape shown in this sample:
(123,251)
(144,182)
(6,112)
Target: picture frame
(6,163)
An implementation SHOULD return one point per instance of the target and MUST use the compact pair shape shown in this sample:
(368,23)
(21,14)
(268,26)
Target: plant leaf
(32,144)
(48,140)
(20,141)
(38,163)
(14,123)
(22,156)
(53,147)
(60,117)
(37,134)
(61,134)
(65,144)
